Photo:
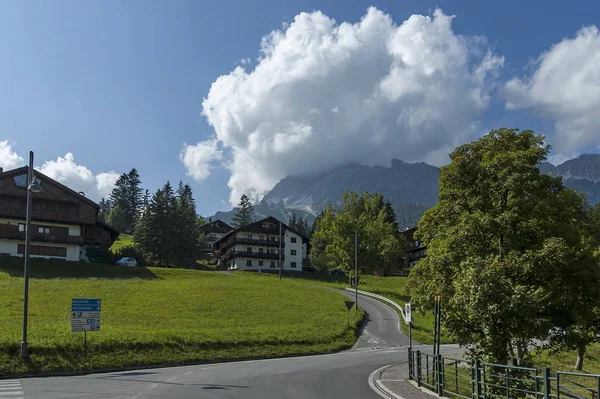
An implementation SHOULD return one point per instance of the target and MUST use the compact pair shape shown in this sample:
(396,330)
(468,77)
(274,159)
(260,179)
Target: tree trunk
(580,355)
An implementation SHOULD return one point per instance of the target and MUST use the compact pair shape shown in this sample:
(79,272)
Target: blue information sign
(85,314)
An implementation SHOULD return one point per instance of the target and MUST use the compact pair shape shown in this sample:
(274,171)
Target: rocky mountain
(411,187)
(580,174)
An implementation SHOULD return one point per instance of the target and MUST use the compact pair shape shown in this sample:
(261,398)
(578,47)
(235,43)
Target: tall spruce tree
(244,212)
(127,196)
(156,231)
(104,207)
(187,228)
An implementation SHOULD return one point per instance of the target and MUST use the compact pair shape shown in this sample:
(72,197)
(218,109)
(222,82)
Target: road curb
(378,387)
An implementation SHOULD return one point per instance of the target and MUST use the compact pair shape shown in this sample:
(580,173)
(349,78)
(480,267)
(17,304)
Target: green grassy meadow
(123,240)
(153,316)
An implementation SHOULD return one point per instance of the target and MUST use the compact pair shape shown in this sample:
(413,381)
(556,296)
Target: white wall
(11,247)
(289,246)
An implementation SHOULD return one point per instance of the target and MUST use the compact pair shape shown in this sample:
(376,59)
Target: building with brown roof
(64,222)
(258,245)
(213,231)
(416,249)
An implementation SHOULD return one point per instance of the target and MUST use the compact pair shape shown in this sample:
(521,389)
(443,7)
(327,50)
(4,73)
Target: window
(261,237)
(293,239)
(272,264)
(249,236)
(260,250)
(273,239)
(293,264)
(21,227)
(43,230)
(249,262)
(248,249)
(260,262)
(293,252)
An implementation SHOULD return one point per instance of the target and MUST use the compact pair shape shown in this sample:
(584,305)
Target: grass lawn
(164,316)
(124,240)
(394,288)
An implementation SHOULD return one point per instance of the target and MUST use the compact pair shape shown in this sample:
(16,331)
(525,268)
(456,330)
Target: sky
(232,96)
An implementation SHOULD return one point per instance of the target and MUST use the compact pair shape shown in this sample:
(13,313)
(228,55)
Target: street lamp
(33,186)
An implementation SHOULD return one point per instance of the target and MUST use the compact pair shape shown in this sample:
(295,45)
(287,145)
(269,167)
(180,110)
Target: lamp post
(356,268)
(32,187)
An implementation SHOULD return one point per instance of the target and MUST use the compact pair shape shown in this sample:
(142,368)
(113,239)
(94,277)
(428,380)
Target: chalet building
(416,249)
(214,231)
(257,246)
(63,222)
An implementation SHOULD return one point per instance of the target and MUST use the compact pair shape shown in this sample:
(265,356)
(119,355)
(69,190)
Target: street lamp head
(35,186)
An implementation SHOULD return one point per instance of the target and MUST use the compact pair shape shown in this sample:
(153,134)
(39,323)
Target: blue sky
(121,83)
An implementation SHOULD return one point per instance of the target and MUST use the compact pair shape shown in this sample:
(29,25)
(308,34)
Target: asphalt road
(340,375)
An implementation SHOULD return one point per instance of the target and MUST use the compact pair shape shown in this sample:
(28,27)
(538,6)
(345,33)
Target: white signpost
(408,320)
(85,316)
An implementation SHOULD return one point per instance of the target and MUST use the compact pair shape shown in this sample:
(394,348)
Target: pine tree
(187,227)
(292,222)
(145,200)
(134,197)
(156,231)
(104,207)
(244,212)
(117,217)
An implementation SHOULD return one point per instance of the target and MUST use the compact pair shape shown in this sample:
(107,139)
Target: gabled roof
(216,226)
(257,227)
(43,177)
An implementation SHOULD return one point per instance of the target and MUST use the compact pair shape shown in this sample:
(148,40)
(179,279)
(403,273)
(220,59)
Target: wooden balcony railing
(12,232)
(260,255)
(248,241)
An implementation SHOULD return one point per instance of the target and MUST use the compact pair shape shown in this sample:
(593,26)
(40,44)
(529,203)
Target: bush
(99,255)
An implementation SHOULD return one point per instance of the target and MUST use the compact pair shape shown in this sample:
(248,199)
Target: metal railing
(457,378)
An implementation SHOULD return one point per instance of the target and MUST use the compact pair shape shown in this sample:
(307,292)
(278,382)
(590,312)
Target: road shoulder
(392,382)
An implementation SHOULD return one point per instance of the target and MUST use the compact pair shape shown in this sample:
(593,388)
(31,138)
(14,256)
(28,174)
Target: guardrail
(394,304)
(458,378)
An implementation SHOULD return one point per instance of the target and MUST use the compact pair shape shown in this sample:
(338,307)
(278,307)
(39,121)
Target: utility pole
(280,261)
(356,268)
(24,344)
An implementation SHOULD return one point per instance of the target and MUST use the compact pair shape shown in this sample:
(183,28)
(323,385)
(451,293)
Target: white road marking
(11,389)
(153,386)
(189,372)
(171,379)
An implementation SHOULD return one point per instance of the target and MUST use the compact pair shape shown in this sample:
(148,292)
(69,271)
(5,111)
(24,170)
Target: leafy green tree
(381,250)
(501,245)
(244,212)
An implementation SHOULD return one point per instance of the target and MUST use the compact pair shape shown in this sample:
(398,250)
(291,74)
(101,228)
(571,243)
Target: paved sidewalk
(392,382)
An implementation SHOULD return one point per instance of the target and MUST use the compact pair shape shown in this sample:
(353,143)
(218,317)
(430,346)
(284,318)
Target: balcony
(260,255)
(11,232)
(248,241)
(38,215)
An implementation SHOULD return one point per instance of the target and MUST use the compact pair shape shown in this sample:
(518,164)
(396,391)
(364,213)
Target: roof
(25,169)
(257,227)
(409,233)
(217,226)
(103,223)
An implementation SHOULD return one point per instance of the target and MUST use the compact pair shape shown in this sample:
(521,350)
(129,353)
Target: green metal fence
(457,378)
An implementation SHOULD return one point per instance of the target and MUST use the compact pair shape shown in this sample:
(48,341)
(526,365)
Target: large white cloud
(79,178)
(64,170)
(197,158)
(565,87)
(323,94)
(8,158)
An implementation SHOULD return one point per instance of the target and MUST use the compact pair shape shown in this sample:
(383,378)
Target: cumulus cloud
(197,158)
(8,158)
(322,94)
(565,87)
(79,178)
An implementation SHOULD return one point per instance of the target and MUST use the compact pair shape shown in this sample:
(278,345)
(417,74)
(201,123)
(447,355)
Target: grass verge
(124,240)
(161,316)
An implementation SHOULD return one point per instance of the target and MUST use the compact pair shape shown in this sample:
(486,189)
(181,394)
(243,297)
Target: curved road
(340,375)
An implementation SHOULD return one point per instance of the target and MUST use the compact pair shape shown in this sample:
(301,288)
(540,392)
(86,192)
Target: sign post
(85,316)
(349,305)
(409,322)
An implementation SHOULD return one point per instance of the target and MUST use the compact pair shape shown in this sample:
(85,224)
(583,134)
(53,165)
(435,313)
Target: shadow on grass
(60,269)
